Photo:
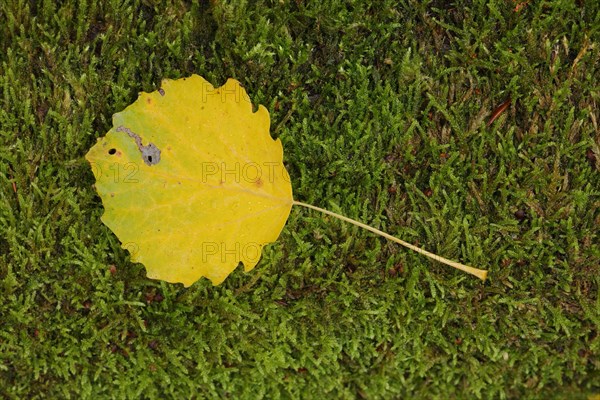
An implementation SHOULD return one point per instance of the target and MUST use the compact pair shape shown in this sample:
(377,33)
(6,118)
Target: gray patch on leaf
(150,153)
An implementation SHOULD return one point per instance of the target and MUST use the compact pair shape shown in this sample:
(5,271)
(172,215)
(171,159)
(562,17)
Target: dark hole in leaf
(112,151)
(150,159)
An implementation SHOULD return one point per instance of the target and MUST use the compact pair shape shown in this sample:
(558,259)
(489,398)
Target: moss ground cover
(383,111)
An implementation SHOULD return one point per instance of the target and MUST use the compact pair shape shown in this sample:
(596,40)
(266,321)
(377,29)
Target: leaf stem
(480,273)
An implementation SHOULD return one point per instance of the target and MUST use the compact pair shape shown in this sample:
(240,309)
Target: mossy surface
(383,111)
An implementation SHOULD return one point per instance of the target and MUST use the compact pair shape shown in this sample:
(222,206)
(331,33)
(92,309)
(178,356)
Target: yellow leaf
(191,181)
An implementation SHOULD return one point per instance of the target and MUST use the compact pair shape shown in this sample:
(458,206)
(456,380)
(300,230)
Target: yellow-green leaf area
(191,180)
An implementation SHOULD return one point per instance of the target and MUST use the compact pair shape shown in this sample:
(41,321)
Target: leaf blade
(219,193)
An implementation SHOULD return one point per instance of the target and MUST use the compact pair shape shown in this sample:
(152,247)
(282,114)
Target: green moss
(382,110)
